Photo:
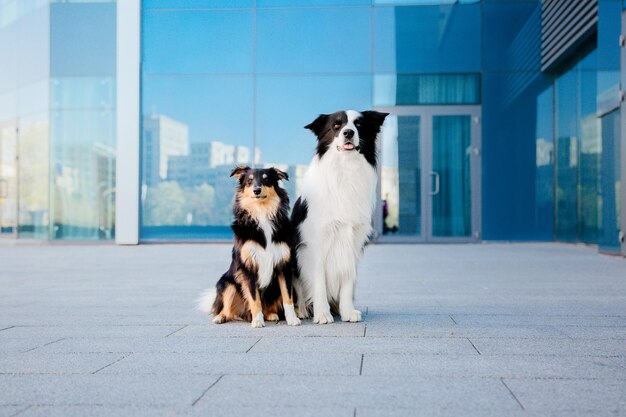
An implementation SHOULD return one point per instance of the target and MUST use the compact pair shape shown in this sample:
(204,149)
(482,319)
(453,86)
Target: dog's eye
(336,125)
(357,124)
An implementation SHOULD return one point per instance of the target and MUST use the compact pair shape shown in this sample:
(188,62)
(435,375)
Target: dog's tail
(205,302)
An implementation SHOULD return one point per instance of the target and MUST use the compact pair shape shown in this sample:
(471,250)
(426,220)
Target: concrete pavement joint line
(361,367)
(474,346)
(176,331)
(193,404)
(365,330)
(7,328)
(452,318)
(254,344)
(513,395)
(354,414)
(47,344)
(22,410)
(112,363)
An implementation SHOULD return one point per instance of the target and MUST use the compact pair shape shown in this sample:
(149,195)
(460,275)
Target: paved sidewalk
(448,330)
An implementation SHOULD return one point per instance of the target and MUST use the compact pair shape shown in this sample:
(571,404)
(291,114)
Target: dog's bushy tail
(205,302)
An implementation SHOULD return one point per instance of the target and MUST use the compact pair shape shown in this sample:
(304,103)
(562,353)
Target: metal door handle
(436,190)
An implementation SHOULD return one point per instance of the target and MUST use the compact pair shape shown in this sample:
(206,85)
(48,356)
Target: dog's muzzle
(348,146)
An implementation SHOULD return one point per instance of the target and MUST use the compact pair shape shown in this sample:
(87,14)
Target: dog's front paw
(290,315)
(293,321)
(351,316)
(272,317)
(219,319)
(323,317)
(258,321)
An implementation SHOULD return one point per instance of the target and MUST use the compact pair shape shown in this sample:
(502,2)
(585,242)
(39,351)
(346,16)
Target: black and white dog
(332,219)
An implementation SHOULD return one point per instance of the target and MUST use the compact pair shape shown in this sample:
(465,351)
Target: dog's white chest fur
(342,189)
(266,259)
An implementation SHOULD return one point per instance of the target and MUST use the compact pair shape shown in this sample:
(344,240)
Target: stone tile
(68,331)
(578,396)
(99,389)
(491,366)
(560,347)
(38,363)
(306,345)
(152,345)
(12,410)
(239,363)
(336,329)
(340,391)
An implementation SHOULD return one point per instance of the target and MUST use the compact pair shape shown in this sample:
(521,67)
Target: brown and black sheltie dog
(257,286)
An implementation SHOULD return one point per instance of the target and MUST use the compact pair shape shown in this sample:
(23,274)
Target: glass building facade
(485,141)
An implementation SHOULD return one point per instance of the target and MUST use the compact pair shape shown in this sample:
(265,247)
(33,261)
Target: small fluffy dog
(258,283)
(332,219)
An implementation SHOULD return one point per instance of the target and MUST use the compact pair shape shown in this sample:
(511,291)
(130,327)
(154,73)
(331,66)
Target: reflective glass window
(408,89)
(196,4)
(83,174)
(33,183)
(317,40)
(197,41)
(194,130)
(427,39)
(286,104)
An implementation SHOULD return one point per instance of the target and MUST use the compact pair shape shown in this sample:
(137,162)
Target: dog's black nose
(257,190)
(348,133)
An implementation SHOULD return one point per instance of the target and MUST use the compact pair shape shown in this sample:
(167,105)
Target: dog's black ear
(377,118)
(282,175)
(317,125)
(238,171)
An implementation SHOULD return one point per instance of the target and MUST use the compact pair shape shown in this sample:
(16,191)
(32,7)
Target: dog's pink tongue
(348,146)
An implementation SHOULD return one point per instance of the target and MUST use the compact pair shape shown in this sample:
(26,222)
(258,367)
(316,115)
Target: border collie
(258,283)
(332,219)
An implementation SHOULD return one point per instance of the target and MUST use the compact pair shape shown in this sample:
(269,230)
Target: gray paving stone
(554,347)
(492,366)
(98,390)
(11,410)
(205,345)
(68,331)
(239,363)
(306,345)
(338,391)
(38,363)
(549,319)
(574,396)
(307,329)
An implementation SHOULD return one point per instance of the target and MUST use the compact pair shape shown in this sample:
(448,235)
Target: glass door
(8,180)
(430,175)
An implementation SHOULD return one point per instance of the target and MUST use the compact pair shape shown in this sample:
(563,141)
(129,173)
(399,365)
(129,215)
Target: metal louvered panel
(564,24)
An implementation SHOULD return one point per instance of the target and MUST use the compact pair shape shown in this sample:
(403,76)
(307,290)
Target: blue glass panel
(34,176)
(566,180)
(510,125)
(176,42)
(314,40)
(435,89)
(544,174)
(83,93)
(311,3)
(194,130)
(83,174)
(82,39)
(286,104)
(196,4)
(512,36)
(424,2)
(428,39)
(609,29)
(452,203)
(610,176)
(400,176)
